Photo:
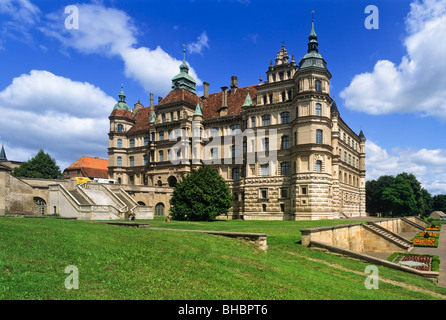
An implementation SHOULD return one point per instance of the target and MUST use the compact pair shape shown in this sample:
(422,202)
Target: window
(265,170)
(266,144)
(243,173)
(285,142)
(285,117)
(178,115)
(245,147)
(319,136)
(290,95)
(284,193)
(153,136)
(266,120)
(171,116)
(264,193)
(235,173)
(318,166)
(214,153)
(303,190)
(253,122)
(264,207)
(119,161)
(163,118)
(234,151)
(119,143)
(349,159)
(282,207)
(161,156)
(285,168)
(270,98)
(132,180)
(161,134)
(283,96)
(132,143)
(264,99)
(120,128)
(146,141)
(345,156)
(234,127)
(132,161)
(318,109)
(146,159)
(318,85)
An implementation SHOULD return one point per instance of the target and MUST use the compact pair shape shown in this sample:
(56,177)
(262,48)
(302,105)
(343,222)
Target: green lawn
(126,263)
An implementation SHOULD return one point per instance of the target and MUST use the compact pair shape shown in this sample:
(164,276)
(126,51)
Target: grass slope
(126,263)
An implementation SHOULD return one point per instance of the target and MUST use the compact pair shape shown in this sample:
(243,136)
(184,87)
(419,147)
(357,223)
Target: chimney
(234,84)
(206,89)
(151,100)
(224,105)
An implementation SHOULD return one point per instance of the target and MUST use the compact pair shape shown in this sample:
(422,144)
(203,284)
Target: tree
(399,199)
(41,166)
(439,203)
(374,191)
(201,196)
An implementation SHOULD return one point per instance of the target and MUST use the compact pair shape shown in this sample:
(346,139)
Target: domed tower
(312,135)
(121,121)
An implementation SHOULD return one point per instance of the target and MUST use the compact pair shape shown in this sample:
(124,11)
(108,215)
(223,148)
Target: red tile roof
(121,113)
(89,167)
(213,104)
(142,121)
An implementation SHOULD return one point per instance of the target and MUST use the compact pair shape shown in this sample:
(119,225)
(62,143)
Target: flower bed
(420,262)
(431,235)
(425,242)
(433,227)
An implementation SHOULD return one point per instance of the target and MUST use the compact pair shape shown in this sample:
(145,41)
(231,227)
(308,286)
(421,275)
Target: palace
(317,170)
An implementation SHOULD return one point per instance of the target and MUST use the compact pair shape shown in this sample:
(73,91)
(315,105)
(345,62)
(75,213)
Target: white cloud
(22,15)
(201,43)
(111,32)
(416,84)
(66,118)
(429,166)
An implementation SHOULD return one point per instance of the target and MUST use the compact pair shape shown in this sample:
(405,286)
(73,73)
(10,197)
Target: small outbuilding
(439,215)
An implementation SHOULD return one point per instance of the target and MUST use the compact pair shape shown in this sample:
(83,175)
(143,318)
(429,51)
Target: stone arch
(41,205)
(172,181)
(159,209)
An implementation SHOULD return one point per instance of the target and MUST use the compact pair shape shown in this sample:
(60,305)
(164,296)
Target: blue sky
(58,86)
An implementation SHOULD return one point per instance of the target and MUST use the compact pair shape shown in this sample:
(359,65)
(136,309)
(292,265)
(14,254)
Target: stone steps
(400,241)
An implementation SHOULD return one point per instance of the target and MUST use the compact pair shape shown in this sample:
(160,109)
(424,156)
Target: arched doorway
(172,181)
(41,205)
(159,210)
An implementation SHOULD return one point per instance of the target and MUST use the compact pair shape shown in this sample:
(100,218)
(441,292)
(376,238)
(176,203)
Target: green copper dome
(183,80)
(121,105)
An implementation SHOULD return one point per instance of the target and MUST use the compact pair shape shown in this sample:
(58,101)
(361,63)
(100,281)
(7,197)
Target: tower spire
(312,44)
(3,154)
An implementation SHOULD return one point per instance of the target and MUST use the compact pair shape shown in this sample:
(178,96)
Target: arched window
(172,181)
(41,205)
(159,210)
(119,143)
(318,109)
(285,117)
(266,120)
(318,85)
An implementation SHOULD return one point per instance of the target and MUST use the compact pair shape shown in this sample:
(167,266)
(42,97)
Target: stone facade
(315,163)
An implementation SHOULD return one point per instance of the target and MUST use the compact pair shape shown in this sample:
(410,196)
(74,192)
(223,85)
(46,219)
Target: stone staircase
(79,197)
(389,236)
(414,224)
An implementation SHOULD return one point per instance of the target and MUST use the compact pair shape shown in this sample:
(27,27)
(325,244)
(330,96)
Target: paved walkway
(440,252)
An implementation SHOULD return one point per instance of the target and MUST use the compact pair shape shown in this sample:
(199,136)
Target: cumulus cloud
(65,118)
(416,84)
(429,166)
(111,32)
(201,43)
